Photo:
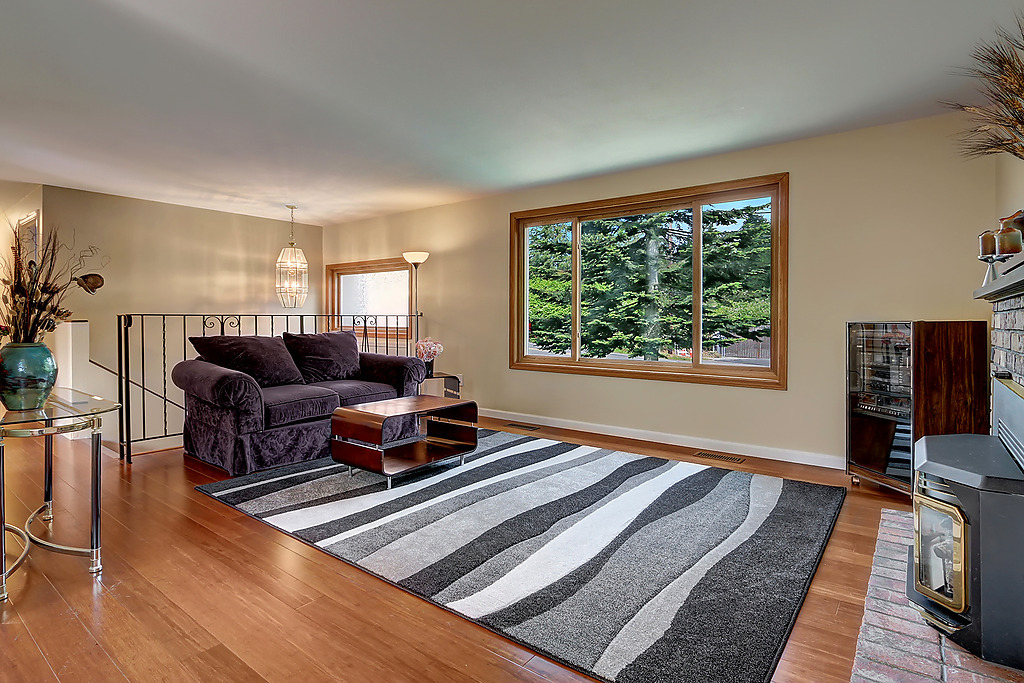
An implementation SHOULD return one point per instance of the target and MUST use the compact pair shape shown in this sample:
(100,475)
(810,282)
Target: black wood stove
(966,569)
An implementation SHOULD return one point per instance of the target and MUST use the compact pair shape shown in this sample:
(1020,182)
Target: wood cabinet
(906,380)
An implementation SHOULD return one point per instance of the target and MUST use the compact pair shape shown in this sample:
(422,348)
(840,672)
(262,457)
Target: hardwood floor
(193,590)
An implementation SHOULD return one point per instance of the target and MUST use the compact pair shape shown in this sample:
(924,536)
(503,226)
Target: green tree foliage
(550,290)
(636,282)
(737,274)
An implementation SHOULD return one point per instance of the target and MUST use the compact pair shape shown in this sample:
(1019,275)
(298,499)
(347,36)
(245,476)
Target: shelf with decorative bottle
(997,246)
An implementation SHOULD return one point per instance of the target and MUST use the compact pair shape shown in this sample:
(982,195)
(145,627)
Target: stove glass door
(939,552)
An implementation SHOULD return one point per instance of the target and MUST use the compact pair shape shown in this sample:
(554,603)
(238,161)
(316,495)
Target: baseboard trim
(782,454)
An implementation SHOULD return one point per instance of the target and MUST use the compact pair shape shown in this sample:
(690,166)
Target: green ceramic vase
(27,375)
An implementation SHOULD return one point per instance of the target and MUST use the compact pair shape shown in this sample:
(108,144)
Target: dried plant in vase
(33,295)
(1000,122)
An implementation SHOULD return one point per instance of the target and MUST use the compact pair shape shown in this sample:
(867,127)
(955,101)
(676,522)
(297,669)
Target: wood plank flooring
(193,590)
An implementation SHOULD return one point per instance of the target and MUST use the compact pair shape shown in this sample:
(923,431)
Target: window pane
(549,290)
(637,286)
(384,293)
(736,251)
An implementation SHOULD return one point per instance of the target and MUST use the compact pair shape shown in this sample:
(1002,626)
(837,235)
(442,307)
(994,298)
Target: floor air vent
(719,456)
(516,425)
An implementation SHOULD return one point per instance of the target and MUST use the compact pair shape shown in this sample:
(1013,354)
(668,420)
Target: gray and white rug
(626,567)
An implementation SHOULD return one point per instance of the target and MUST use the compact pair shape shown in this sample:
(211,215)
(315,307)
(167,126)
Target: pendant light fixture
(292,272)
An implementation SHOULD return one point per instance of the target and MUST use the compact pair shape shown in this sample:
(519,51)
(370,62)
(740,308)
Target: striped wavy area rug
(626,567)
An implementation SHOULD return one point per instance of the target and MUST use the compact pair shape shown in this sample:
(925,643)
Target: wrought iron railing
(149,345)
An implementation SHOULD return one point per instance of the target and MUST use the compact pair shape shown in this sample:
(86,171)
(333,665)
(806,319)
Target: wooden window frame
(332,302)
(773,377)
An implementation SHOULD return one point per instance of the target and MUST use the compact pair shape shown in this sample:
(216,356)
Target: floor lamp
(415,258)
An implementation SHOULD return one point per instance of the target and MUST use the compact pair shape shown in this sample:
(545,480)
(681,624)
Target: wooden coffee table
(357,434)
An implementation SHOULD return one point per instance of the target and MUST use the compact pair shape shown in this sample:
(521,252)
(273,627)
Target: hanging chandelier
(292,272)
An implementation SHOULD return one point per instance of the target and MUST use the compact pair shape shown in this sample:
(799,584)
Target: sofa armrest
(220,386)
(404,373)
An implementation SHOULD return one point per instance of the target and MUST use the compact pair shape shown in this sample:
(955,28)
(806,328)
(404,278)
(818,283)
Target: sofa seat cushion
(352,391)
(325,356)
(292,403)
(265,359)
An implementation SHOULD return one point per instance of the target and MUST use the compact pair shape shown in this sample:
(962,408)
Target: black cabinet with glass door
(906,380)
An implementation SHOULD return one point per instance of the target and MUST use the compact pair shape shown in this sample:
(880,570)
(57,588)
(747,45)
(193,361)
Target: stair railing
(149,345)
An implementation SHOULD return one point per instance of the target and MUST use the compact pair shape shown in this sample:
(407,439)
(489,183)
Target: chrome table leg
(3,531)
(93,550)
(5,569)
(95,566)
(48,477)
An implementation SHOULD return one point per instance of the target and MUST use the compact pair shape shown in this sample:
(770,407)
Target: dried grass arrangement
(1000,122)
(34,286)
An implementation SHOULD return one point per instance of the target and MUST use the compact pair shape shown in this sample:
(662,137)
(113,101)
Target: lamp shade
(292,277)
(415,257)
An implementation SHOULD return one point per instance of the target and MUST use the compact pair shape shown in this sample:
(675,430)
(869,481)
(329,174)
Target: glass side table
(67,410)
(451,385)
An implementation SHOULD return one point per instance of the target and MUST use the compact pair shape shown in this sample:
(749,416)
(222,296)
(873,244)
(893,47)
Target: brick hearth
(895,645)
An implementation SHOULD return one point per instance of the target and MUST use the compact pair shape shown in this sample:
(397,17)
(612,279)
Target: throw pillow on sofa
(265,359)
(325,356)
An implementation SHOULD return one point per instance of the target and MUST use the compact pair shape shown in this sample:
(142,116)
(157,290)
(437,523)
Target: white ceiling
(351,108)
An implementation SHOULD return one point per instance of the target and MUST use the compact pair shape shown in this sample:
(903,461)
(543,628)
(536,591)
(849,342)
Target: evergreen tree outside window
(637,286)
(736,250)
(549,263)
(610,287)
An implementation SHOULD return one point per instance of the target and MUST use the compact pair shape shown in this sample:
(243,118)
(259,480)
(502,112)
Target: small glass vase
(27,375)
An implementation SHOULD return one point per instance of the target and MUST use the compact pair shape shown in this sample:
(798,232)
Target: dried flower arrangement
(34,288)
(999,123)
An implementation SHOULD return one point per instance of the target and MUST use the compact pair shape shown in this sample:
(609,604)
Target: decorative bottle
(1008,238)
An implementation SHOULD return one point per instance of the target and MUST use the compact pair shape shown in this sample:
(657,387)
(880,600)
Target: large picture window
(686,285)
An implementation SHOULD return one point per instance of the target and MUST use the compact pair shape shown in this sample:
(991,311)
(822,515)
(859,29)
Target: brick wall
(1008,337)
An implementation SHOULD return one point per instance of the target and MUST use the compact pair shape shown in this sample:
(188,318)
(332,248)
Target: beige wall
(17,200)
(883,225)
(166,258)
(1009,187)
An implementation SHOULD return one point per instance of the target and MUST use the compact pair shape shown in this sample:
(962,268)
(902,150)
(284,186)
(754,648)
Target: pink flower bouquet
(428,349)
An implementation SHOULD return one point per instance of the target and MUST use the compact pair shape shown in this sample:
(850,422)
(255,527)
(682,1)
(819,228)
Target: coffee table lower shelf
(357,434)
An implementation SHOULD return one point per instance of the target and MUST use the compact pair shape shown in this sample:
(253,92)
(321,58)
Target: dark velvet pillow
(265,359)
(325,356)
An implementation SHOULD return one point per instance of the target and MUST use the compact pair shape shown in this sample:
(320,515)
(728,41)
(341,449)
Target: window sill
(736,376)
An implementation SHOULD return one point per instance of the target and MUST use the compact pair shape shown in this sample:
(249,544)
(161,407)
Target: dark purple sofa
(257,402)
